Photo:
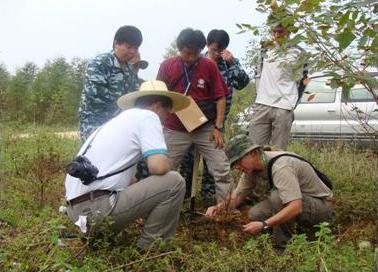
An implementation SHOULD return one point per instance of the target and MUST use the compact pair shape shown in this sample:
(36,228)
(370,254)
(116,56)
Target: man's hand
(134,62)
(213,211)
(306,81)
(227,56)
(253,227)
(217,137)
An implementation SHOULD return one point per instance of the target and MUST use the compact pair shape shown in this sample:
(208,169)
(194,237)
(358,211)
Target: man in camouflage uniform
(109,76)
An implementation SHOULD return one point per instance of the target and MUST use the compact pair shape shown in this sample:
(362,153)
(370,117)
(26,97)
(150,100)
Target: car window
(358,94)
(318,91)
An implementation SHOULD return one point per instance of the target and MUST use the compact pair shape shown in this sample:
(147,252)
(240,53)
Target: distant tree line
(48,95)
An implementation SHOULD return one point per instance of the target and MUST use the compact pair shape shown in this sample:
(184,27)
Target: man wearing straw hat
(113,151)
(299,194)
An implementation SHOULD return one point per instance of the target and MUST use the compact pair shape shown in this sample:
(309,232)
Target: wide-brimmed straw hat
(154,87)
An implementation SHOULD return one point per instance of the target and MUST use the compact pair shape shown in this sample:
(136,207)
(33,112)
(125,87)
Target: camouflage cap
(239,146)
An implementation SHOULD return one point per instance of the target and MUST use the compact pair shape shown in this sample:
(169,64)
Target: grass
(34,236)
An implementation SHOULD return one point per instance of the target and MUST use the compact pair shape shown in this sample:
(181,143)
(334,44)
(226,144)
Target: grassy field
(34,236)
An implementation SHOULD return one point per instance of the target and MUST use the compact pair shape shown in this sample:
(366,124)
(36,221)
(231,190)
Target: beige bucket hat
(154,87)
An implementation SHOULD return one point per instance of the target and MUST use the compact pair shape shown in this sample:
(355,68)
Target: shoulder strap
(301,85)
(321,175)
(260,61)
(110,174)
(115,173)
(90,143)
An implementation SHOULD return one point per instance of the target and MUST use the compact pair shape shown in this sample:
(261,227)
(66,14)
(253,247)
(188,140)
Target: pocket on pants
(315,210)
(308,213)
(95,210)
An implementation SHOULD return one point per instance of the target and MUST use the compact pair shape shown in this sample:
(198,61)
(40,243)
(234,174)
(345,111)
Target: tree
(171,50)
(18,92)
(77,74)
(49,95)
(4,81)
(4,77)
(56,93)
(340,36)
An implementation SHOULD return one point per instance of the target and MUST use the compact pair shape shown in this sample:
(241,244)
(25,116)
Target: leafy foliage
(341,37)
(171,50)
(49,95)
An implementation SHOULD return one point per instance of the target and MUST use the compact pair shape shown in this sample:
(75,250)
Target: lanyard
(188,75)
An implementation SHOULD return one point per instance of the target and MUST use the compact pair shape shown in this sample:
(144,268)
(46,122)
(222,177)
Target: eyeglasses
(214,50)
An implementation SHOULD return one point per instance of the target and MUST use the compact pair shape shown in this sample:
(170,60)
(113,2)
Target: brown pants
(315,211)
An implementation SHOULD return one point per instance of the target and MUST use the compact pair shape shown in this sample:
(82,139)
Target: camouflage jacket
(234,76)
(105,81)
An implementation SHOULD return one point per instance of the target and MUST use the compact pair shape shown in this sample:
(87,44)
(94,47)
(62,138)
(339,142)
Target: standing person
(235,78)
(277,92)
(203,82)
(109,76)
(230,68)
(114,149)
(299,196)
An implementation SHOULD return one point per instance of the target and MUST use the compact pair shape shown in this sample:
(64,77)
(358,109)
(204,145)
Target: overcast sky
(37,30)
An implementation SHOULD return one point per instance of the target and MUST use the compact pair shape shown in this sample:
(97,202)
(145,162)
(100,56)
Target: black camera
(82,168)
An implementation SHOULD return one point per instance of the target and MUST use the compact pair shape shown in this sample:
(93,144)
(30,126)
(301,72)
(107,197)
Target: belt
(88,196)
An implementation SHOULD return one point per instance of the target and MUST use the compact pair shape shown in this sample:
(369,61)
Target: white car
(325,114)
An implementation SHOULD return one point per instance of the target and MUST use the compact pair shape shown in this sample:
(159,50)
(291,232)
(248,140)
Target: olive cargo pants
(315,211)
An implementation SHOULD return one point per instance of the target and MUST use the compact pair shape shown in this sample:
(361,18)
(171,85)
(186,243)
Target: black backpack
(320,174)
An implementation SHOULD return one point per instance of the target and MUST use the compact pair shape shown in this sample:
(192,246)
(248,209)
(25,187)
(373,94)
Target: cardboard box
(191,117)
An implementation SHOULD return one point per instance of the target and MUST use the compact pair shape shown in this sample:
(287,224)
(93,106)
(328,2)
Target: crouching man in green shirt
(297,198)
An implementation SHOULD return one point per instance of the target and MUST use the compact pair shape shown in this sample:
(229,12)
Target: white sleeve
(151,137)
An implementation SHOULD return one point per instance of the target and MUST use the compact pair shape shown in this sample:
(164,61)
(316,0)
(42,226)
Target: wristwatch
(218,128)
(265,225)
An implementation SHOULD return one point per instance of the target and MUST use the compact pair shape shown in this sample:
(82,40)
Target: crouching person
(298,198)
(102,185)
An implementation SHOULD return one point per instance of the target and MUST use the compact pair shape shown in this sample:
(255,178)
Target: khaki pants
(315,211)
(156,198)
(217,162)
(271,126)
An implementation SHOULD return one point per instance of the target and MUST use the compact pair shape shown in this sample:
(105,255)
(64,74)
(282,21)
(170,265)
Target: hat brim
(241,155)
(179,101)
